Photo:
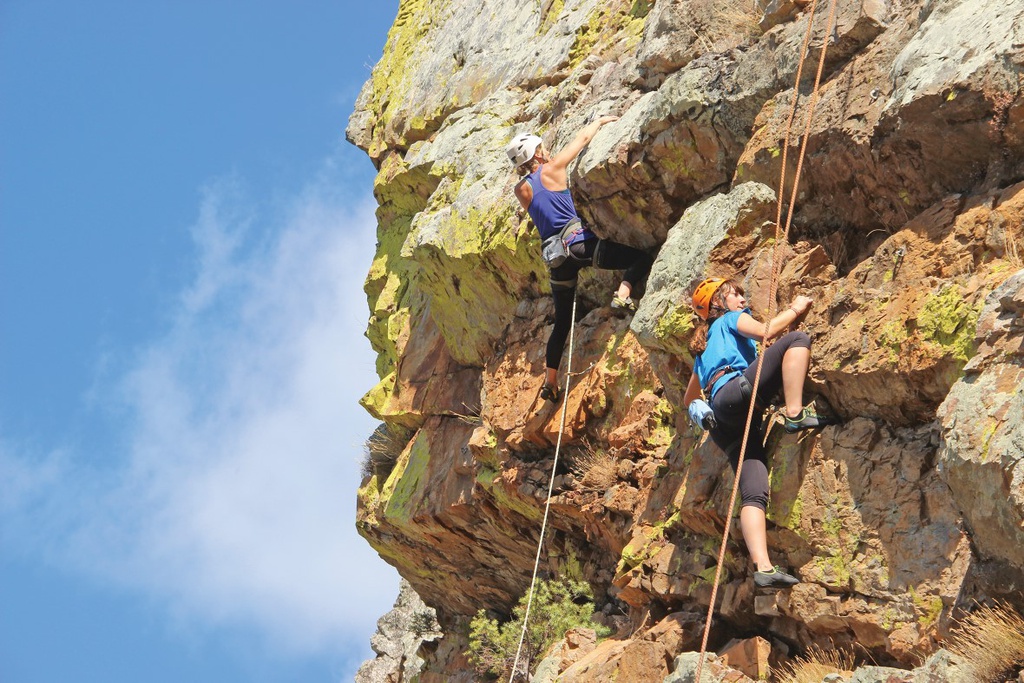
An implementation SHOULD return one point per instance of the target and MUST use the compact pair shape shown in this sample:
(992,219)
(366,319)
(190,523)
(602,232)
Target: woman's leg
(794,370)
(563,297)
(784,366)
(563,291)
(731,412)
(755,535)
(636,263)
(754,496)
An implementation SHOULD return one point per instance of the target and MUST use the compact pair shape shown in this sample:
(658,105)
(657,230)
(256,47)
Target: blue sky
(184,233)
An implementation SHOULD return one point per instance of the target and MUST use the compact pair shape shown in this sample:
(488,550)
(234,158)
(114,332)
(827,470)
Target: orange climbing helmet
(702,295)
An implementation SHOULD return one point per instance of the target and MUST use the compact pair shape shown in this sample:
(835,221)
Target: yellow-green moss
(551,16)
(780,466)
(833,568)
(389,80)
(633,555)
(949,322)
(488,455)
(929,607)
(377,402)
(668,524)
(664,433)
(707,576)
(831,525)
(677,165)
(986,439)
(787,514)
(673,330)
(474,271)
(603,28)
(376,398)
(640,9)
(369,494)
(891,337)
(402,192)
(405,480)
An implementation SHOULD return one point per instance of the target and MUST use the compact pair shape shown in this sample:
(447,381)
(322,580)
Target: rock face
(409,628)
(907,231)
(983,428)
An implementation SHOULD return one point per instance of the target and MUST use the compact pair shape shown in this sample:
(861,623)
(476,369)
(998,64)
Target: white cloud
(236,499)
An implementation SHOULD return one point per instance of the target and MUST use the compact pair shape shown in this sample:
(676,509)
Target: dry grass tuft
(990,644)
(737,20)
(720,25)
(1012,252)
(595,470)
(382,449)
(815,665)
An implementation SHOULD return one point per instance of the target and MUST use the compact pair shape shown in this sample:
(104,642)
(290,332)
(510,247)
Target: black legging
(610,256)
(731,404)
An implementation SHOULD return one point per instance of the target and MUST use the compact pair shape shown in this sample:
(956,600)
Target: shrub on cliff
(558,606)
(383,449)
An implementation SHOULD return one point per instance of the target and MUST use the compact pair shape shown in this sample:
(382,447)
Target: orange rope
(773,288)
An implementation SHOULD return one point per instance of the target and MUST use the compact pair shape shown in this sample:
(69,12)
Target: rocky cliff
(908,233)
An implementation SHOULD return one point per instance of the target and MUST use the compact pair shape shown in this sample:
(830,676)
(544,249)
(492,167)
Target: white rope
(551,488)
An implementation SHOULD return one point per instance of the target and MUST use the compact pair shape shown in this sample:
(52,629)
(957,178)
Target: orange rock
(749,656)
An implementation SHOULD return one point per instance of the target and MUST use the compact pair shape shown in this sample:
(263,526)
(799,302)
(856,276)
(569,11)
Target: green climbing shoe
(807,419)
(626,304)
(776,578)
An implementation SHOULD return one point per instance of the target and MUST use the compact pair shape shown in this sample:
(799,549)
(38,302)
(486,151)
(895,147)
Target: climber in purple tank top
(544,193)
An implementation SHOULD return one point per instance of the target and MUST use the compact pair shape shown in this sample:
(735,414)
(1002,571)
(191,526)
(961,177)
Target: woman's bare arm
(692,391)
(751,328)
(556,167)
(524,193)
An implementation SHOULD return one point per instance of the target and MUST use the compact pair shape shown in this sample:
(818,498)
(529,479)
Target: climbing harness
(773,288)
(551,488)
(555,249)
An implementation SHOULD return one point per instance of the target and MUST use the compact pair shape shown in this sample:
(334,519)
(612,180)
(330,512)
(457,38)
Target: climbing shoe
(626,304)
(807,419)
(549,393)
(776,578)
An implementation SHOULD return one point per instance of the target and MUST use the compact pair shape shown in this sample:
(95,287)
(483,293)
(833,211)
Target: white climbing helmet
(522,148)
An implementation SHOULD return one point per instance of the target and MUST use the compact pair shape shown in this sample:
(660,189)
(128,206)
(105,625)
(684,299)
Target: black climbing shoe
(807,419)
(549,393)
(776,578)
(626,304)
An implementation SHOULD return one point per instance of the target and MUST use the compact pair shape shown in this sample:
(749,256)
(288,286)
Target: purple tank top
(551,210)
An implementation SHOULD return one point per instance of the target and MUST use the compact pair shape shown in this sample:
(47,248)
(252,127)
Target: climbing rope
(551,488)
(773,287)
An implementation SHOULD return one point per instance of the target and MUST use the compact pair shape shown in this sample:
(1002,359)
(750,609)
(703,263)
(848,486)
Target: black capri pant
(608,256)
(731,404)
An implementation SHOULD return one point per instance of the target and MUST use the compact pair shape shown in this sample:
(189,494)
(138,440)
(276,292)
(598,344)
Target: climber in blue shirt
(544,193)
(725,364)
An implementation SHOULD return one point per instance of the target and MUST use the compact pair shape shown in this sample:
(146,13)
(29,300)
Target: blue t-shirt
(551,210)
(726,348)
